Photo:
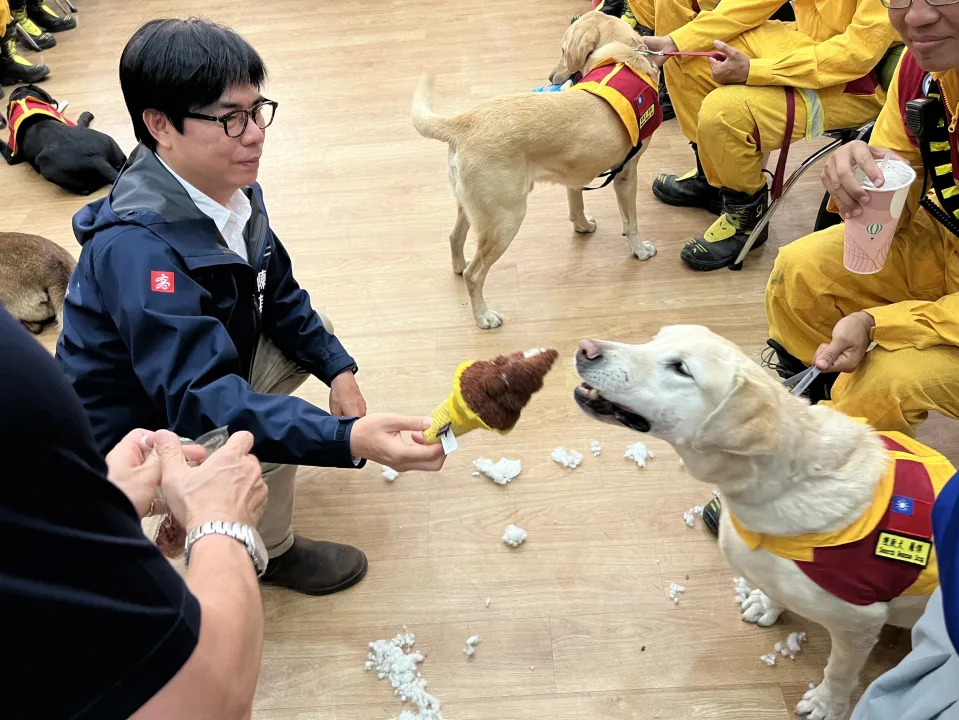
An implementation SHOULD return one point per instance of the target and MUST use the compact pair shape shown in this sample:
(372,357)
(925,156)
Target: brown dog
(34,273)
(500,148)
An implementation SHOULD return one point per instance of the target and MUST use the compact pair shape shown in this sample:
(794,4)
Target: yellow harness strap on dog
(20,110)
(632,95)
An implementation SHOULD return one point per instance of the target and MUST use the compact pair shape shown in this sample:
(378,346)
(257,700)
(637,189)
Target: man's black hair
(181,66)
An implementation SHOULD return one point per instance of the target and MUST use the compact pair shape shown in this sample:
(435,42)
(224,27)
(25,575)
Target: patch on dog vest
(633,96)
(20,111)
(888,551)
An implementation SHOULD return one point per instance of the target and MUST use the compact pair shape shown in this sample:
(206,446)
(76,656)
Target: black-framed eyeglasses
(234,122)
(903,4)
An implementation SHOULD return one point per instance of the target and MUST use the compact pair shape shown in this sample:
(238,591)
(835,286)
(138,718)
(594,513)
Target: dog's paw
(459,266)
(487,320)
(819,704)
(587,228)
(644,250)
(760,610)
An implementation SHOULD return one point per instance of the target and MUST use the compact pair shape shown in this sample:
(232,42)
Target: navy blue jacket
(162,320)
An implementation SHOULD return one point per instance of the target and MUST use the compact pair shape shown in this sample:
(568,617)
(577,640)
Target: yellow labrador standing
(786,471)
(500,148)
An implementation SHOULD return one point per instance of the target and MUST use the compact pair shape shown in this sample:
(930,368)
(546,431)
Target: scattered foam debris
(769,659)
(502,472)
(476,473)
(514,536)
(488,601)
(675,589)
(689,517)
(596,447)
(471,643)
(742,589)
(389,474)
(397,660)
(567,458)
(812,686)
(681,463)
(793,645)
(639,453)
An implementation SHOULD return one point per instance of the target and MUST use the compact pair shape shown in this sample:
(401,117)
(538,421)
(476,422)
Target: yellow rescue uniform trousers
(810,290)
(4,15)
(733,125)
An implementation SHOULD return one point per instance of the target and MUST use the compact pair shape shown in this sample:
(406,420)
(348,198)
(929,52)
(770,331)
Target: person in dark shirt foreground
(98,624)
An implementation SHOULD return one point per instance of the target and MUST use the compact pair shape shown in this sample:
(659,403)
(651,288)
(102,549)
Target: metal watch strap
(238,531)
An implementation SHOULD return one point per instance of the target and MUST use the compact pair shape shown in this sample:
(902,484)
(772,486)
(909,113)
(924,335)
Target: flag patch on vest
(903,548)
(901,505)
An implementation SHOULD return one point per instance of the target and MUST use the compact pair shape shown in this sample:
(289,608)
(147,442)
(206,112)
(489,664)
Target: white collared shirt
(230,220)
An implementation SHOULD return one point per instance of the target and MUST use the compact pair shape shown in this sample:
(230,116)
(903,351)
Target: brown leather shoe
(315,567)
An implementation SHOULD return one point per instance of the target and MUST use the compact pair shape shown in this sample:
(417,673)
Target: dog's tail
(428,123)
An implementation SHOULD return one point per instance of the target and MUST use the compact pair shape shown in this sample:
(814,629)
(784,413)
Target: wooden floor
(363,206)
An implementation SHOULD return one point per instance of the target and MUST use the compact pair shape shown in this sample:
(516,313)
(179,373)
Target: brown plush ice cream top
(497,390)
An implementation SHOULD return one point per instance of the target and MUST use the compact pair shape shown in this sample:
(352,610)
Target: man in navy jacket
(183,312)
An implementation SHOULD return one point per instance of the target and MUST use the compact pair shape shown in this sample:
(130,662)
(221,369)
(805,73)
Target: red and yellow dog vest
(888,551)
(21,110)
(633,96)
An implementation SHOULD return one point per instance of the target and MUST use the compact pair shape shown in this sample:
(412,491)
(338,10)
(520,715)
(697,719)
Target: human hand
(734,70)
(346,400)
(134,468)
(850,341)
(839,178)
(228,486)
(377,437)
(656,44)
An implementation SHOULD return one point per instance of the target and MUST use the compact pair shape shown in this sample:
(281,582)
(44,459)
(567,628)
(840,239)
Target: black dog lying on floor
(73,156)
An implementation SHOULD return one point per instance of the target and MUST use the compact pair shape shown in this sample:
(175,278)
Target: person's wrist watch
(238,531)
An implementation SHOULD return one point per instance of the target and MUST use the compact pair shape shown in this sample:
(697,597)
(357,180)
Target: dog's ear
(745,423)
(581,43)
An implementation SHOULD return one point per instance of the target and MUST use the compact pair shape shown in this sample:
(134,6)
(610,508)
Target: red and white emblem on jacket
(162,281)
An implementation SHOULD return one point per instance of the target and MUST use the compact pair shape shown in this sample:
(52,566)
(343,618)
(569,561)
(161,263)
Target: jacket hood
(144,194)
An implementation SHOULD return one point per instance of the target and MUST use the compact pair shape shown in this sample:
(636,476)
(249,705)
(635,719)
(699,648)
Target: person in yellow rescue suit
(735,110)
(820,313)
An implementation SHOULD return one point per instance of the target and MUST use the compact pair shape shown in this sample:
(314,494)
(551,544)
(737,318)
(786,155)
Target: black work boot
(689,190)
(786,365)
(47,18)
(722,242)
(44,40)
(14,68)
(314,567)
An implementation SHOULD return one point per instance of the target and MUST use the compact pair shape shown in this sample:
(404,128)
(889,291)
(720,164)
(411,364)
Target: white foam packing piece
(389,474)
(596,447)
(514,536)
(397,661)
(675,590)
(639,453)
(742,589)
(689,517)
(502,472)
(567,458)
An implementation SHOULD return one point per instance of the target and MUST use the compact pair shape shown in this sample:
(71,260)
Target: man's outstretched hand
(850,341)
(378,438)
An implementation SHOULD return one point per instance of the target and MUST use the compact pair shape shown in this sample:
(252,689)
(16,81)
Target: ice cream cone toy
(490,394)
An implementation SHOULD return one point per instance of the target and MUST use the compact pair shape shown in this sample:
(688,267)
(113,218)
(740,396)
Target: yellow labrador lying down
(829,518)
(500,148)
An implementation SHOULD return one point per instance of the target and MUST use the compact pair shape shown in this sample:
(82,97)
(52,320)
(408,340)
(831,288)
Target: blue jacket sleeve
(945,523)
(290,321)
(187,363)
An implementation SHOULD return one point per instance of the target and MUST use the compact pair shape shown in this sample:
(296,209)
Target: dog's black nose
(588,350)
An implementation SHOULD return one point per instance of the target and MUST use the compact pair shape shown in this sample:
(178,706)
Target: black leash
(610,175)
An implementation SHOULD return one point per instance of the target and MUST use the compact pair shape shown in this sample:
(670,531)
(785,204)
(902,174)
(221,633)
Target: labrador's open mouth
(589,399)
